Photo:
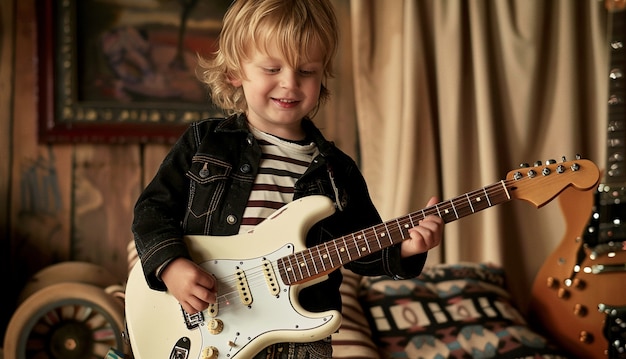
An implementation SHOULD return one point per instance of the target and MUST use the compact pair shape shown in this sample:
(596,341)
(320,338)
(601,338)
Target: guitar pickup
(270,278)
(243,288)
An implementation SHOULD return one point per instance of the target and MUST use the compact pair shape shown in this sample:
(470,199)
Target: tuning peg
(538,163)
(524,165)
(550,162)
(563,159)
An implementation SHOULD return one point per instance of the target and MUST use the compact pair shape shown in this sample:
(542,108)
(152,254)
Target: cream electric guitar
(260,273)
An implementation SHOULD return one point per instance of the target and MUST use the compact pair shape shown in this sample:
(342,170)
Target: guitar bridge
(192,321)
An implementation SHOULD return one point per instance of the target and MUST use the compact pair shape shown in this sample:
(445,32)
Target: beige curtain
(451,95)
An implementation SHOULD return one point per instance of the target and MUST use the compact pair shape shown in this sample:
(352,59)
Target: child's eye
(272,70)
(307,72)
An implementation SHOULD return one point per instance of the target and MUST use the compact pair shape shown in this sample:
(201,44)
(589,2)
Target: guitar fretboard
(324,258)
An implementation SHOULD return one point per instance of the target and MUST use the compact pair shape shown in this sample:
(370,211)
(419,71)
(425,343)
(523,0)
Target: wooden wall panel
(6,94)
(106,185)
(39,185)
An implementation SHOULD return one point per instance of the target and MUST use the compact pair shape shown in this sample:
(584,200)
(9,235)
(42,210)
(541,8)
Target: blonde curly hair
(297,27)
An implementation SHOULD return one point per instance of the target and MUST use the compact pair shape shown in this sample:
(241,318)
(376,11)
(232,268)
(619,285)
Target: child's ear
(235,81)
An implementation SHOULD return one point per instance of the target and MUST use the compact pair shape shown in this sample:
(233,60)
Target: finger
(423,235)
(193,306)
(432,201)
(207,281)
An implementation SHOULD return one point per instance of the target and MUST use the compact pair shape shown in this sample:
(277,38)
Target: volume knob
(215,326)
(209,353)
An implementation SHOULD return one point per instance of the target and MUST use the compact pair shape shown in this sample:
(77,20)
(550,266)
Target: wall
(60,202)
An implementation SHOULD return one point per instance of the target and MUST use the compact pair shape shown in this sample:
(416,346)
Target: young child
(224,176)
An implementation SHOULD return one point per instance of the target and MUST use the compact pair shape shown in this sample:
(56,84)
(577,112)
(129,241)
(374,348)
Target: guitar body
(268,313)
(571,313)
(578,296)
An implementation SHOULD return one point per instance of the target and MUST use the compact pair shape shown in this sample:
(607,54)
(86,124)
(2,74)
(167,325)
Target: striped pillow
(354,338)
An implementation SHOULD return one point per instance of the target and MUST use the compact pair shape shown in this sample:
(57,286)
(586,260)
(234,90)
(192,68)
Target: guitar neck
(326,257)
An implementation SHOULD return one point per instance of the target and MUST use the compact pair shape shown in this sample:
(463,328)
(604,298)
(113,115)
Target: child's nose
(289,79)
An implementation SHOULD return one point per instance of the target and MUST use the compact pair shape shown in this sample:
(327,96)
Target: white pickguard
(155,320)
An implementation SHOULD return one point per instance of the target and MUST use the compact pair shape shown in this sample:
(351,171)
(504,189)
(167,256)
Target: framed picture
(123,70)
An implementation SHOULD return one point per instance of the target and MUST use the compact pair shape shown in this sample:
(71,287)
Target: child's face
(278,95)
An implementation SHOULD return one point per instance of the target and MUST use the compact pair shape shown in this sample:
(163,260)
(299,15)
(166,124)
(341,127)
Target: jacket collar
(239,123)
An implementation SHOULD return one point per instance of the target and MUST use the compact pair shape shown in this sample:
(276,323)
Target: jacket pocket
(205,169)
(209,177)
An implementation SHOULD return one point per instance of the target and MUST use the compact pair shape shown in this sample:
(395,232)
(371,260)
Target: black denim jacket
(203,185)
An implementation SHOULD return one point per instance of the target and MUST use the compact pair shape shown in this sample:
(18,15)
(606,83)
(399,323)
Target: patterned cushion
(450,311)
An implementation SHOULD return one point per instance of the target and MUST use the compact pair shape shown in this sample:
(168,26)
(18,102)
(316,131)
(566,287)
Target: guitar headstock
(539,184)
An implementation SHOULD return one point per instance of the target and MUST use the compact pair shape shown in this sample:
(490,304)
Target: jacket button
(204,172)
(231,219)
(245,168)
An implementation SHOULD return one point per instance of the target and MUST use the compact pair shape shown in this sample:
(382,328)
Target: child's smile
(279,95)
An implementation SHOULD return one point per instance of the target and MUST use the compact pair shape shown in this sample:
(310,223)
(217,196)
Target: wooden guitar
(260,273)
(578,296)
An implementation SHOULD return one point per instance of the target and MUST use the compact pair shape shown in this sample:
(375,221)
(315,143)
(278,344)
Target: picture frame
(123,71)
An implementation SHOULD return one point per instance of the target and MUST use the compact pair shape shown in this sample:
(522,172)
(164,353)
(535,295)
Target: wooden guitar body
(572,292)
(578,296)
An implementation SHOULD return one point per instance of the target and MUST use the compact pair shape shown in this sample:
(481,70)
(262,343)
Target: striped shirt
(282,163)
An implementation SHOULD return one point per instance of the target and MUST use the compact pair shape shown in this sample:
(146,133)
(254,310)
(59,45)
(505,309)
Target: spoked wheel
(65,321)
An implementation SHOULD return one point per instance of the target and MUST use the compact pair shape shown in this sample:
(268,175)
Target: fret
(356,246)
(340,253)
(288,270)
(319,255)
(327,253)
(456,214)
(487,196)
(302,264)
(464,207)
(345,245)
(400,228)
(377,236)
(388,234)
(313,261)
(470,202)
(438,212)
(447,215)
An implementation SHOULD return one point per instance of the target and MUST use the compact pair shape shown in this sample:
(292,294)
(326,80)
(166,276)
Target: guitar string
(252,275)
(359,244)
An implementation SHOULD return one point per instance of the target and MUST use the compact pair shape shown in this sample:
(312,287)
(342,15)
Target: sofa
(450,311)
